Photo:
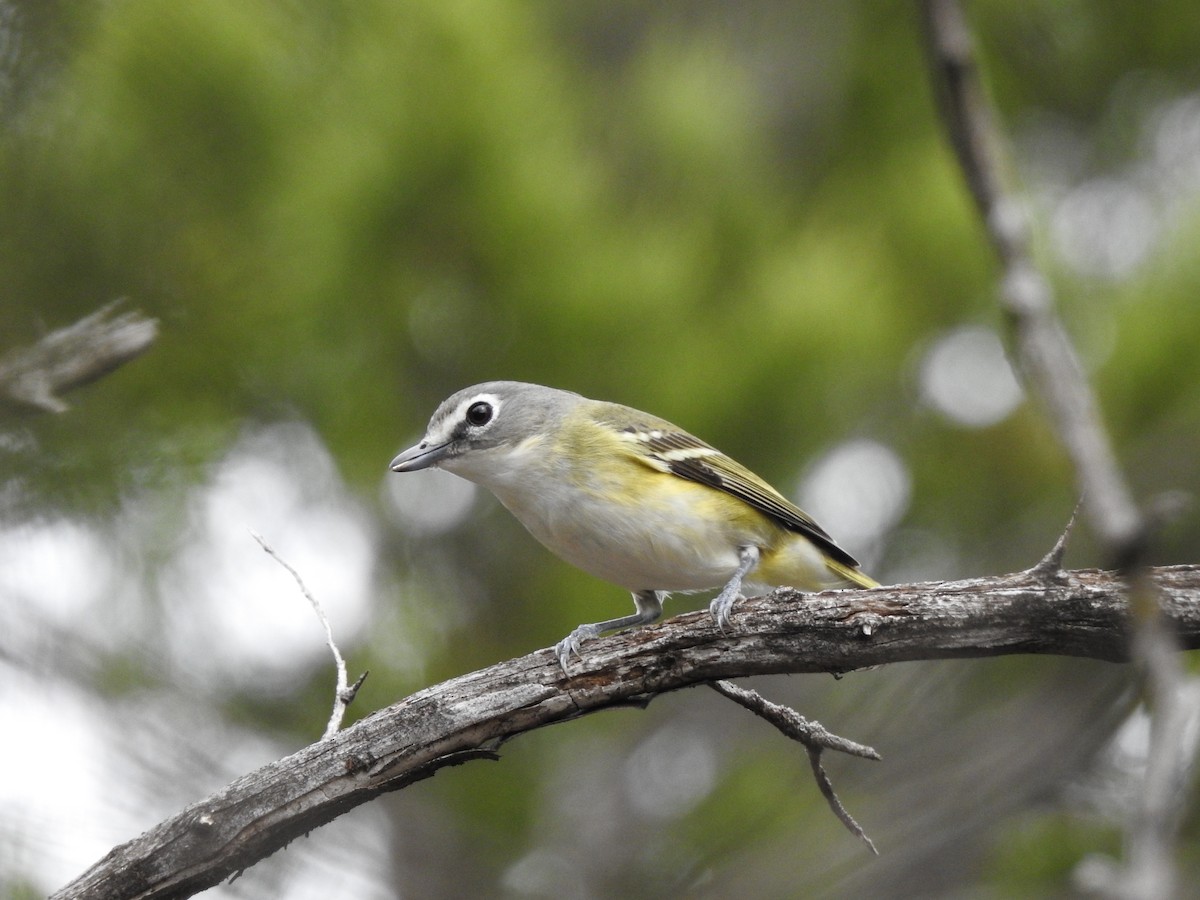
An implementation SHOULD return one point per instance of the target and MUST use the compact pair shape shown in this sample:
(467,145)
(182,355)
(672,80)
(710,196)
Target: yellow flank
(792,559)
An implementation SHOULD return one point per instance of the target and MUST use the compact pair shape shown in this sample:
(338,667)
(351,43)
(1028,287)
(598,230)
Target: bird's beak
(422,456)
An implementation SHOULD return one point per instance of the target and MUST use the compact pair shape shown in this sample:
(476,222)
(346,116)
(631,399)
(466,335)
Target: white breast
(648,546)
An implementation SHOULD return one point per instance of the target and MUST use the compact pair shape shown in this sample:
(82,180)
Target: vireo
(629,498)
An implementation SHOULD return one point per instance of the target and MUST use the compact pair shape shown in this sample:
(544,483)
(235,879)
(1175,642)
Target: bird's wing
(666,448)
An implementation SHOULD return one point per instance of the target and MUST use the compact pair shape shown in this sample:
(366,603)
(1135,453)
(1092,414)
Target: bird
(628,498)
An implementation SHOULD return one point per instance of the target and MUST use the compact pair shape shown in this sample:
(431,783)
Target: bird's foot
(569,645)
(722,606)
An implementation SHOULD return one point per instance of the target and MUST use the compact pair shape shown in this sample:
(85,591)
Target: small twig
(1051,565)
(815,738)
(73,356)
(835,803)
(345,692)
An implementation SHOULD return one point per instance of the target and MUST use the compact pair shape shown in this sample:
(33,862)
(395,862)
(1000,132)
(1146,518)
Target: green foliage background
(741,217)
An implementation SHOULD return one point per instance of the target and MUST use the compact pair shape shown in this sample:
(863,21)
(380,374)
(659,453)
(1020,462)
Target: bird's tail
(851,574)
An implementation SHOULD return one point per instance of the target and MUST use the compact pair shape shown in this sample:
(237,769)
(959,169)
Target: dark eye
(479,413)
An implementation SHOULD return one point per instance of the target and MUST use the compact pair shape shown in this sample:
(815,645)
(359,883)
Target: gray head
(491,420)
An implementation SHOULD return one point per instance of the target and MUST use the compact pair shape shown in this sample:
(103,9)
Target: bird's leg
(724,601)
(649,608)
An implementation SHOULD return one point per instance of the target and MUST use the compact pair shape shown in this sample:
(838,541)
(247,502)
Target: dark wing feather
(668,447)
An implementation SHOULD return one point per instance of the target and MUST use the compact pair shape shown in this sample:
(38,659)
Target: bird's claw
(569,645)
(721,607)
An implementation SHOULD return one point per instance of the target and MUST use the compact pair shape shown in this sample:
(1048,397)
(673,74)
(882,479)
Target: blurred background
(741,217)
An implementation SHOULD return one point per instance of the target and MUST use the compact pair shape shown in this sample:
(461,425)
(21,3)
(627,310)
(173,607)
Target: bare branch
(1048,359)
(1082,613)
(815,738)
(1044,352)
(345,692)
(791,723)
(74,356)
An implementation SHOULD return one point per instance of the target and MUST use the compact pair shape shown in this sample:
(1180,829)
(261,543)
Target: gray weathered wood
(1081,613)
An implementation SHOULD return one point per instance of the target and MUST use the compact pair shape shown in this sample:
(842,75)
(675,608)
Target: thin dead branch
(1045,354)
(813,736)
(344,693)
(33,377)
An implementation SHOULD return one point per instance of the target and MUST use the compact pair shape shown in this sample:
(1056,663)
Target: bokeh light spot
(670,772)
(1105,227)
(429,501)
(966,377)
(858,491)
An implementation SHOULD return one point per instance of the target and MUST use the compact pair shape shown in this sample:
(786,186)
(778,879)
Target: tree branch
(74,356)
(1052,369)
(813,736)
(1044,352)
(1081,613)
